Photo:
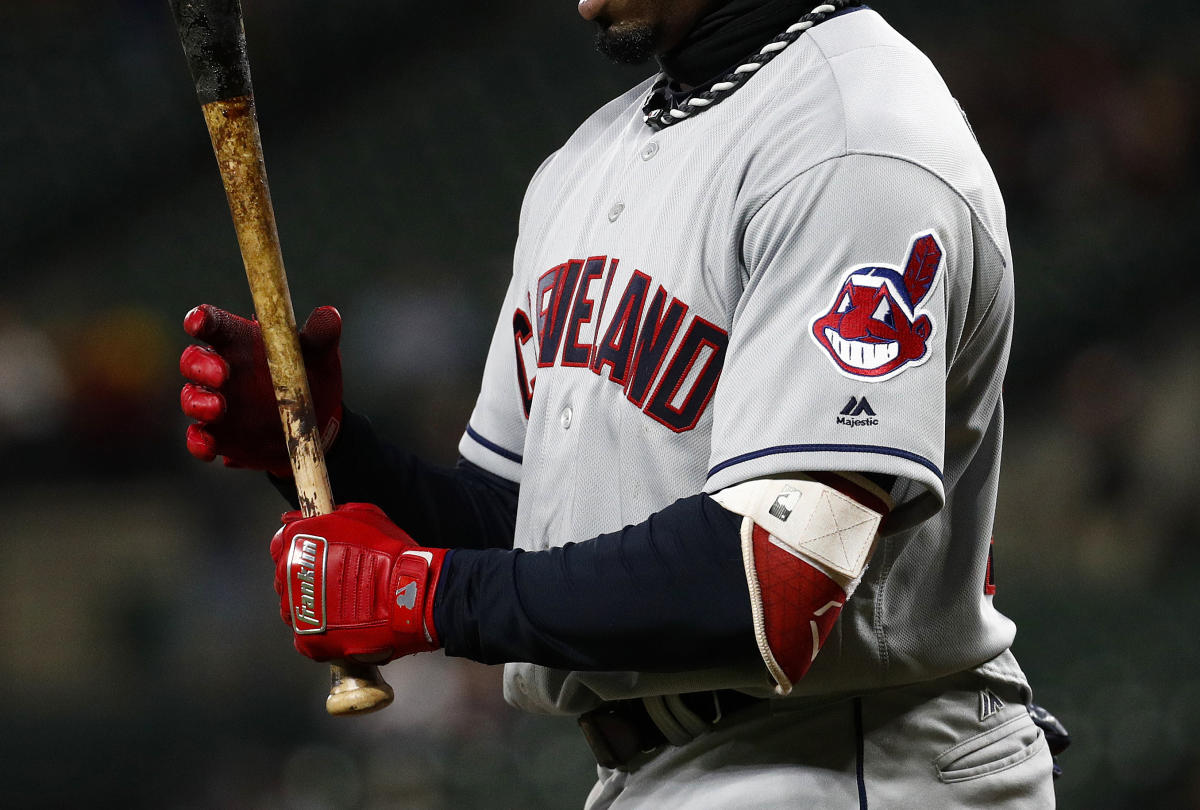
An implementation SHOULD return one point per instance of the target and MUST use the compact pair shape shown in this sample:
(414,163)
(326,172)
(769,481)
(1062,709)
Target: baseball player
(727,492)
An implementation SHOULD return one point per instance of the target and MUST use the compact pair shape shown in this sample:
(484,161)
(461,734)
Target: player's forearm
(756,574)
(450,507)
(669,594)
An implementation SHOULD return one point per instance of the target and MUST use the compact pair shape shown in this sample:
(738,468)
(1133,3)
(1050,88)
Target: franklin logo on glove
(306,582)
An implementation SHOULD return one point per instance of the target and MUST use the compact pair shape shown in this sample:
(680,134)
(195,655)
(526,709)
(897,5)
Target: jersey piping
(495,448)
(827,448)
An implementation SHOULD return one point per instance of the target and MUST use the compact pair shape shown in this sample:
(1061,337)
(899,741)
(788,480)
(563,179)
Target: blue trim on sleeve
(490,445)
(828,448)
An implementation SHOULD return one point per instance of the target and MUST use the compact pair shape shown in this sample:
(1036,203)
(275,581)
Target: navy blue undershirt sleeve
(463,506)
(669,594)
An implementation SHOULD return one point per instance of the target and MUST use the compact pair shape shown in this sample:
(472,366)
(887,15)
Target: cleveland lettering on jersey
(634,342)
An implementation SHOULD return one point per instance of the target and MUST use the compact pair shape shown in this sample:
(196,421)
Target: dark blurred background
(144,659)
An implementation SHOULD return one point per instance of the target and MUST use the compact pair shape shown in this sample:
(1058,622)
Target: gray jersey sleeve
(838,350)
(495,435)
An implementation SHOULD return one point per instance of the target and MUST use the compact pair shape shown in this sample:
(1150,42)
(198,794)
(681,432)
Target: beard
(627,43)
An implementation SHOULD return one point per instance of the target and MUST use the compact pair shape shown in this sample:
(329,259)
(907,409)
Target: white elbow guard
(805,546)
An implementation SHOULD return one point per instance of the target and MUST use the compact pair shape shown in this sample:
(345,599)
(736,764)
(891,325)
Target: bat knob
(356,688)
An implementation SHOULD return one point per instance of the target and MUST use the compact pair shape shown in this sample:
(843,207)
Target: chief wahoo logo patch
(876,327)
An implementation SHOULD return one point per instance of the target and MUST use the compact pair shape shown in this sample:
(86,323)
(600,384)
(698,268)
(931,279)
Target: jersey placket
(581,414)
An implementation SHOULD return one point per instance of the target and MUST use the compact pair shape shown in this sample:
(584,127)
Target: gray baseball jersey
(813,275)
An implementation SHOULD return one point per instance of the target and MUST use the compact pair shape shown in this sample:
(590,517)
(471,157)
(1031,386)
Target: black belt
(619,731)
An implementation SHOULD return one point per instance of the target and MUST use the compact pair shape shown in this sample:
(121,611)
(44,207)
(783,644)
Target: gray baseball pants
(957,742)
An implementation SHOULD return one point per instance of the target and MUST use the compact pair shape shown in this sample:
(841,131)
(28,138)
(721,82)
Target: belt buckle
(597,740)
(618,732)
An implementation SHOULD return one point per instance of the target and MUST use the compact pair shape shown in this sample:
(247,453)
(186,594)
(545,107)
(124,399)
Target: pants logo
(989,704)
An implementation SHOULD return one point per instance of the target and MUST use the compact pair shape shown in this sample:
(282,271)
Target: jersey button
(615,212)
(565,418)
(650,150)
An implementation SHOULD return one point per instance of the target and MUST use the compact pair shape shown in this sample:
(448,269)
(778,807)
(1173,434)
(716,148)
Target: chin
(627,43)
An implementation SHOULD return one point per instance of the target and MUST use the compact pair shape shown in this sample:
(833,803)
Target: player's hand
(229,391)
(352,584)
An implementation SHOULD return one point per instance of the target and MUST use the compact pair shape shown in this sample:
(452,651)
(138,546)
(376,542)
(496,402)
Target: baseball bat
(214,42)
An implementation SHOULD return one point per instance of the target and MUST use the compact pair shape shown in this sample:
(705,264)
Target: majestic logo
(857,407)
(858,413)
(306,583)
(875,327)
(989,704)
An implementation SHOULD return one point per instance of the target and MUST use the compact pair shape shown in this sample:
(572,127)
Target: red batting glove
(352,584)
(229,391)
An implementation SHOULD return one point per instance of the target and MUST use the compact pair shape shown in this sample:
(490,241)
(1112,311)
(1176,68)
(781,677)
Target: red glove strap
(414,582)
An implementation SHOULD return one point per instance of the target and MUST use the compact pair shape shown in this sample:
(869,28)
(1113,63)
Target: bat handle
(356,688)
